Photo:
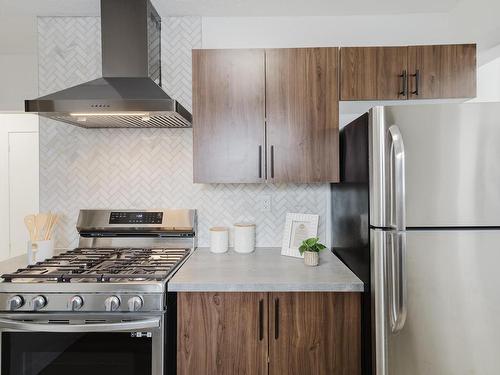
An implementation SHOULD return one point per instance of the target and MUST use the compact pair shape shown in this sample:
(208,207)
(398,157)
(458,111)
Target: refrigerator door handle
(397,282)
(397,175)
(397,260)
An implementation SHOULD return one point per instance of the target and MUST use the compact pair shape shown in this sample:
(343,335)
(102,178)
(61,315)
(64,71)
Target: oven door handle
(131,325)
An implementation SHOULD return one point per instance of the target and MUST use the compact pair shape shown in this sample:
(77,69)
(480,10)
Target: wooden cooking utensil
(52,222)
(41,222)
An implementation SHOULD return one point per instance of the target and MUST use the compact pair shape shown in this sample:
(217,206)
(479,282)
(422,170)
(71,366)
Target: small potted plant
(310,248)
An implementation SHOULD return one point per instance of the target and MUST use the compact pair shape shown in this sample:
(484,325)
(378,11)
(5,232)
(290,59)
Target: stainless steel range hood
(129,94)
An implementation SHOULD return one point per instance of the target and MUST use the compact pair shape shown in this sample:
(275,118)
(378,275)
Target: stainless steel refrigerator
(417,217)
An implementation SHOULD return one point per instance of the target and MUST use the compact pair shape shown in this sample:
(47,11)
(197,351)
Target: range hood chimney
(129,94)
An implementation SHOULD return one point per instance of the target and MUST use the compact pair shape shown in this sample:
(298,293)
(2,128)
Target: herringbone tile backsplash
(142,168)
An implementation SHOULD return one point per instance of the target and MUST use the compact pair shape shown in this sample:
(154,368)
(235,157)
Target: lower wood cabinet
(315,333)
(269,333)
(221,333)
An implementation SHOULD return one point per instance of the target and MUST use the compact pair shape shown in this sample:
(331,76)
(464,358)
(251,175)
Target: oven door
(35,344)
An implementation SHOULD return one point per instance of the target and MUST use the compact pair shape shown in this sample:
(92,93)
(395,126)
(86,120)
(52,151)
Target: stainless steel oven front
(82,344)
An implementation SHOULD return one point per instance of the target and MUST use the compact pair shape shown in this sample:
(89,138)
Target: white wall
(257,32)
(488,82)
(18,61)
(488,75)
(18,179)
(18,79)
(469,21)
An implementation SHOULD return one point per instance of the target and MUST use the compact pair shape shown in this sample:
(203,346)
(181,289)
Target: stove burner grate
(103,265)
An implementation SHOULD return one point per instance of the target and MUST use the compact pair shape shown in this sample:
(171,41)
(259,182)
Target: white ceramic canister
(38,251)
(244,237)
(219,239)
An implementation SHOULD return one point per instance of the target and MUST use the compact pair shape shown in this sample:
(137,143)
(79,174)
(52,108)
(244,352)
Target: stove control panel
(140,217)
(82,302)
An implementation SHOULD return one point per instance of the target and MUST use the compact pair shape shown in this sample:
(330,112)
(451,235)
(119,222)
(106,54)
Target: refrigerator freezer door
(451,156)
(453,321)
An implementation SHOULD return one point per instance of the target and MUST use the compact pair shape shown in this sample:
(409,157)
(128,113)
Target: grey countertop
(13,264)
(263,270)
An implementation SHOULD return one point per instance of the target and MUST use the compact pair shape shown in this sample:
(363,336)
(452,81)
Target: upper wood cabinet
(419,72)
(446,71)
(233,93)
(228,115)
(302,115)
(272,115)
(373,73)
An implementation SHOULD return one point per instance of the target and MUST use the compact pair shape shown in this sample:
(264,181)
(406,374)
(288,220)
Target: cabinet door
(373,73)
(358,73)
(302,115)
(446,71)
(222,333)
(228,116)
(315,334)
(392,73)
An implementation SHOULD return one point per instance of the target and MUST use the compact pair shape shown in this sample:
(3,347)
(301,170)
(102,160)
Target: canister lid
(244,225)
(219,229)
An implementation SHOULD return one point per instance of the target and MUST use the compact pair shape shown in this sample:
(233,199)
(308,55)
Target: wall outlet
(265,203)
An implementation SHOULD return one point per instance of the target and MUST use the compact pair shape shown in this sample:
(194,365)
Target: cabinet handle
(276,318)
(404,77)
(261,320)
(417,82)
(272,161)
(260,161)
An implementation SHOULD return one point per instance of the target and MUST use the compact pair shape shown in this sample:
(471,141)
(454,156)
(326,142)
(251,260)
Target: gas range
(103,307)
(123,263)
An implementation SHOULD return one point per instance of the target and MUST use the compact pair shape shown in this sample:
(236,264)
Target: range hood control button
(15,302)
(112,303)
(135,303)
(38,302)
(76,303)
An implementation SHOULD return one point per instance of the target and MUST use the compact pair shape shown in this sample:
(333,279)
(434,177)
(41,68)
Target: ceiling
(237,7)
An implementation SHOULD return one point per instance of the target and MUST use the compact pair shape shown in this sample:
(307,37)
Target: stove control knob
(76,303)
(112,303)
(15,302)
(39,302)
(135,303)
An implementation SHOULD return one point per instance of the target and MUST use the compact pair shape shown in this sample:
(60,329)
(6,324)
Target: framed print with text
(298,227)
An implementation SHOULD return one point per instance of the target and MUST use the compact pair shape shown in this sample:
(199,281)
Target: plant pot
(311,258)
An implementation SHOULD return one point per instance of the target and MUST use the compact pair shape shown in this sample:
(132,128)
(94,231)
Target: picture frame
(298,227)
